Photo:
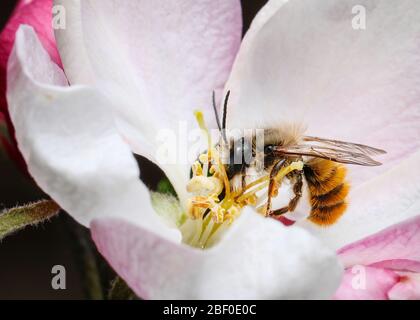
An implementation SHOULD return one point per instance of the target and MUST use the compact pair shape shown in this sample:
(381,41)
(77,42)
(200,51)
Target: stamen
(297,165)
(210,180)
(254,183)
(202,124)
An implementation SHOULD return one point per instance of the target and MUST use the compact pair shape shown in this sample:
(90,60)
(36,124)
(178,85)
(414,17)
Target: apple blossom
(36,13)
(138,66)
(387,264)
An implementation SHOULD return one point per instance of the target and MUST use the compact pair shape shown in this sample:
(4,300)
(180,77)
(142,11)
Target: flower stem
(18,218)
(87,260)
(120,291)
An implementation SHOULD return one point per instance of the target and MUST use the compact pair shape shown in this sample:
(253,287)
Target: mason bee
(323,167)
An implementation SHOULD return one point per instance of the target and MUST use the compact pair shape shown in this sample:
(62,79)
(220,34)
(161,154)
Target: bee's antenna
(225,104)
(215,111)
(222,131)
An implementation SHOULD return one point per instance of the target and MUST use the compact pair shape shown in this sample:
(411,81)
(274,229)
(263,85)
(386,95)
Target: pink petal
(401,241)
(408,288)
(258,258)
(36,13)
(366,283)
(285,221)
(398,265)
(304,62)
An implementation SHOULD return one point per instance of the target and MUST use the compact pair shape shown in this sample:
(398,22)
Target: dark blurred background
(27,257)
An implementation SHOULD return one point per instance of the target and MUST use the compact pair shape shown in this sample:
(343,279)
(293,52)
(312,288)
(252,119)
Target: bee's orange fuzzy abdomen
(326,216)
(328,191)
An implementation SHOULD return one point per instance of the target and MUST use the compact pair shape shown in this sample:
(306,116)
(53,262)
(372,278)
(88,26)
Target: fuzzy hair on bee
(324,171)
(328,190)
(288,154)
(286,134)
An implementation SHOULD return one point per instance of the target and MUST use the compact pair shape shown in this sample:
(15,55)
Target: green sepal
(164,186)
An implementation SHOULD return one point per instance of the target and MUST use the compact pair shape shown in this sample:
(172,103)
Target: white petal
(258,259)
(384,201)
(157,60)
(304,62)
(74,34)
(70,143)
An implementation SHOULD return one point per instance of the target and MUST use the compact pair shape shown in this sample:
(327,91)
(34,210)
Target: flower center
(213,205)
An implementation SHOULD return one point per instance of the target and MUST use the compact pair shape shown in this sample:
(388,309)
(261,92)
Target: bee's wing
(342,145)
(333,154)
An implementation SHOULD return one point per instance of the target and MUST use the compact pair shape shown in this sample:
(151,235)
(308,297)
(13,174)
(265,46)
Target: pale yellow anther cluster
(207,184)
(209,181)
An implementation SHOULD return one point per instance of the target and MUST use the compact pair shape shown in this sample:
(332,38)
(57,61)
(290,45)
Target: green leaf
(15,219)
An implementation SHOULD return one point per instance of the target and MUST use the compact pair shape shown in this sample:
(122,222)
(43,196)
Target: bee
(323,170)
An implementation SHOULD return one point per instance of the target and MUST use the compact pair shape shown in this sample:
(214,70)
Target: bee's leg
(272,184)
(297,190)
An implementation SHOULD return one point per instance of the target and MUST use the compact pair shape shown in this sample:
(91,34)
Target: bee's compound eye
(268,149)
